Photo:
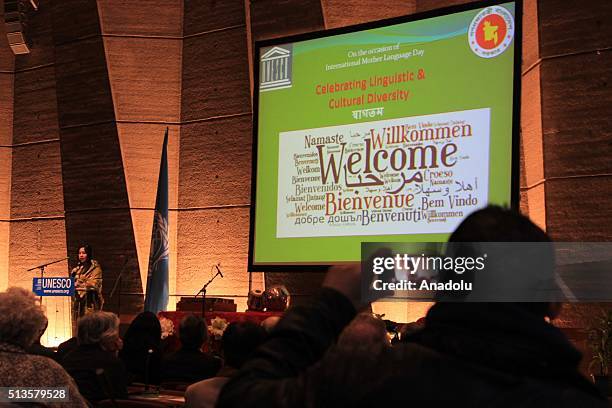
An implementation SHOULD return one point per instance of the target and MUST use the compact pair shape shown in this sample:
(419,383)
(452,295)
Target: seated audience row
(323,354)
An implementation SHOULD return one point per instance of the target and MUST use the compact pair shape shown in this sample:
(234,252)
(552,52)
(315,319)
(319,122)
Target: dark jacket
(189,366)
(468,355)
(82,363)
(38,349)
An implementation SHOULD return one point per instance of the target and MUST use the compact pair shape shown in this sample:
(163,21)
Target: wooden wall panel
(37,233)
(215,158)
(6,137)
(567,27)
(576,102)
(578,209)
(301,285)
(33,243)
(536,200)
(94,181)
(153,18)
(7,58)
(93,171)
(74,20)
(532,156)
(6,140)
(272,19)
(145,77)
(39,32)
(143,45)
(83,89)
(426,5)
(207,15)
(141,147)
(215,83)
(531,201)
(35,118)
(341,13)
(97,208)
(7,81)
(577,126)
(6,161)
(531,38)
(4,254)
(37,181)
(215,75)
(209,237)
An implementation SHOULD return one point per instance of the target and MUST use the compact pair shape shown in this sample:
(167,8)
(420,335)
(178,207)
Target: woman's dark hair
(192,332)
(143,334)
(497,224)
(240,339)
(88,251)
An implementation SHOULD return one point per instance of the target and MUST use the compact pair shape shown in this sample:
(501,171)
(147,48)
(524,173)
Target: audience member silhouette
(467,354)
(189,364)
(98,344)
(141,352)
(238,343)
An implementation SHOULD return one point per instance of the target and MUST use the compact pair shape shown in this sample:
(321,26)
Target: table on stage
(255,317)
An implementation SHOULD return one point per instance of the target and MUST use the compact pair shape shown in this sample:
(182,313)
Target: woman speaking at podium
(88,284)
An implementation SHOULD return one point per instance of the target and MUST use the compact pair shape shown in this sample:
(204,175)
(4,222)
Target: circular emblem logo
(491,32)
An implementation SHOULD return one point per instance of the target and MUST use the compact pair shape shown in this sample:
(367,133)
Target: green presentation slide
(387,134)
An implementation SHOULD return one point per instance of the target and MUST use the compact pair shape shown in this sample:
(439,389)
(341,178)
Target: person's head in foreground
(143,333)
(99,329)
(365,331)
(141,352)
(192,332)
(21,321)
(239,341)
(466,354)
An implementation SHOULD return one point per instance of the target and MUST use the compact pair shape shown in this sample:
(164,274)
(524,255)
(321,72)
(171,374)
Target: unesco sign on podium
(53,286)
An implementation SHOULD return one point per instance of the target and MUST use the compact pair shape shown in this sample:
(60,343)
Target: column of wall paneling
(95,192)
(270,19)
(143,47)
(7,79)
(215,150)
(37,233)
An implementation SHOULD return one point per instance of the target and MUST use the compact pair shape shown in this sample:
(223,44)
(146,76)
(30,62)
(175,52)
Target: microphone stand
(118,282)
(203,291)
(42,269)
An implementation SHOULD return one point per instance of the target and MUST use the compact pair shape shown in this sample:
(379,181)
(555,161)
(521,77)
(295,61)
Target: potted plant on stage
(600,342)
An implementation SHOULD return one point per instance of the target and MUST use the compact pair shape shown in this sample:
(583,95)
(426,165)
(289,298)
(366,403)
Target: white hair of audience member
(99,328)
(364,331)
(21,317)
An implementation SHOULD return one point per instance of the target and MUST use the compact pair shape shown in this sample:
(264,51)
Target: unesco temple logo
(275,69)
(491,32)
